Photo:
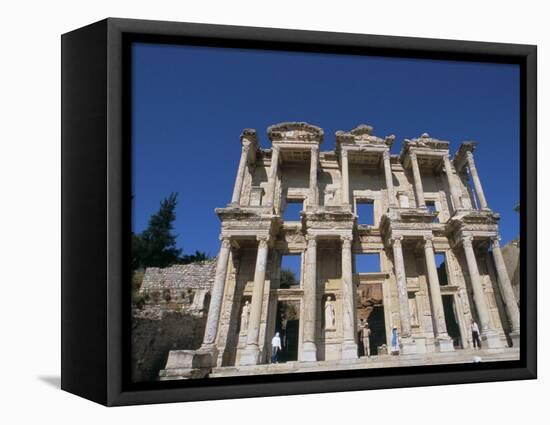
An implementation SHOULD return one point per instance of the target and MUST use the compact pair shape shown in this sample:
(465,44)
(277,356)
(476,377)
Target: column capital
(263,240)
(246,145)
(496,241)
(226,241)
(467,241)
(428,241)
(311,240)
(344,153)
(346,240)
(315,149)
(386,154)
(412,155)
(396,240)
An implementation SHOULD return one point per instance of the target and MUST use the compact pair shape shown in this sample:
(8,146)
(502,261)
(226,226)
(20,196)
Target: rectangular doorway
(288,325)
(453,328)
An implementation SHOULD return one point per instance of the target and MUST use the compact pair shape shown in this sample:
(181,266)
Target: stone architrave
(389,179)
(236,198)
(477,183)
(451,182)
(273,175)
(417,181)
(212,321)
(314,190)
(349,344)
(507,292)
(345,177)
(488,334)
(251,353)
(443,342)
(309,349)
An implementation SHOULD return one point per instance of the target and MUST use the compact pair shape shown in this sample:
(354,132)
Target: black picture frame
(96,170)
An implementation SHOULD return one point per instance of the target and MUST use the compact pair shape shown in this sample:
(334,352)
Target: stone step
(385,361)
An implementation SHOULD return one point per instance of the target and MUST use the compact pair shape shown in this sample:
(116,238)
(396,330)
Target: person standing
(475,334)
(275,348)
(365,337)
(394,341)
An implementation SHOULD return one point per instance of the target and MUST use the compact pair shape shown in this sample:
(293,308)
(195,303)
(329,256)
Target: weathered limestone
(316,309)
(308,352)
(236,198)
(505,286)
(349,345)
(451,182)
(345,178)
(407,343)
(389,179)
(488,334)
(314,190)
(417,181)
(477,182)
(251,354)
(444,343)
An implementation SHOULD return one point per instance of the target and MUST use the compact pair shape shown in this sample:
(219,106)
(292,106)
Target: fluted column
(345,177)
(313,189)
(477,182)
(487,332)
(309,349)
(451,182)
(417,181)
(349,345)
(505,286)
(389,178)
(251,354)
(216,298)
(273,175)
(236,198)
(402,294)
(443,342)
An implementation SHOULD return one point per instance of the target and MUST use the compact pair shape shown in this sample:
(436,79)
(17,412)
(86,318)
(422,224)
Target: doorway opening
(377,327)
(453,328)
(288,325)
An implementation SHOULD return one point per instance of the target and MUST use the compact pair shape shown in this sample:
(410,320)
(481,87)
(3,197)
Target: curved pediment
(295,131)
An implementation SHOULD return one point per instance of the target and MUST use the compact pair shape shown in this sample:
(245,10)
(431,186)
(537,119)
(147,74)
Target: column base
(349,350)
(250,356)
(308,353)
(444,344)
(514,336)
(408,346)
(188,364)
(491,339)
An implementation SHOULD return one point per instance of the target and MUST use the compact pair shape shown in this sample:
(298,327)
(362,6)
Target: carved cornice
(461,157)
(362,134)
(295,131)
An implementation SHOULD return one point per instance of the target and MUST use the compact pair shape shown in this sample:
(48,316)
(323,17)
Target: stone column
(308,350)
(417,181)
(443,342)
(452,186)
(389,178)
(251,353)
(236,198)
(487,333)
(477,182)
(401,280)
(349,345)
(313,189)
(273,175)
(506,291)
(212,321)
(345,177)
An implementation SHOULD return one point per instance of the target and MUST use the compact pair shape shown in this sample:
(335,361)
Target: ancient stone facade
(424,201)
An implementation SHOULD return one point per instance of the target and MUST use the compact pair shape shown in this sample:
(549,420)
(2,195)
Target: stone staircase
(384,361)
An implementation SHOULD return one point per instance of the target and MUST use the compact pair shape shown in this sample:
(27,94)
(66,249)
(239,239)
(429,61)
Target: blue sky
(190,105)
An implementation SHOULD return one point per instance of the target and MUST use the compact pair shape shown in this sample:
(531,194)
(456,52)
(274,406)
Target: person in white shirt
(475,334)
(275,348)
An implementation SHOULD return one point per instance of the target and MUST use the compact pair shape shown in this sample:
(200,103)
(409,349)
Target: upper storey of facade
(422,184)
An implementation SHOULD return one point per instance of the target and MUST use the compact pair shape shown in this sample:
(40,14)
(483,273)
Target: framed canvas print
(252,212)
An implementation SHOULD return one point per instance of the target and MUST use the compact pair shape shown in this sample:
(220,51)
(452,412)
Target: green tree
(156,245)
(197,257)
(288,278)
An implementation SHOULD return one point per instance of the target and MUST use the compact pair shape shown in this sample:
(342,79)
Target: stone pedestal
(491,339)
(188,364)
(407,346)
(444,344)
(250,356)
(308,352)
(349,350)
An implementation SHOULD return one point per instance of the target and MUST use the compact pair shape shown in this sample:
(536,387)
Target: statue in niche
(330,317)
(244,317)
